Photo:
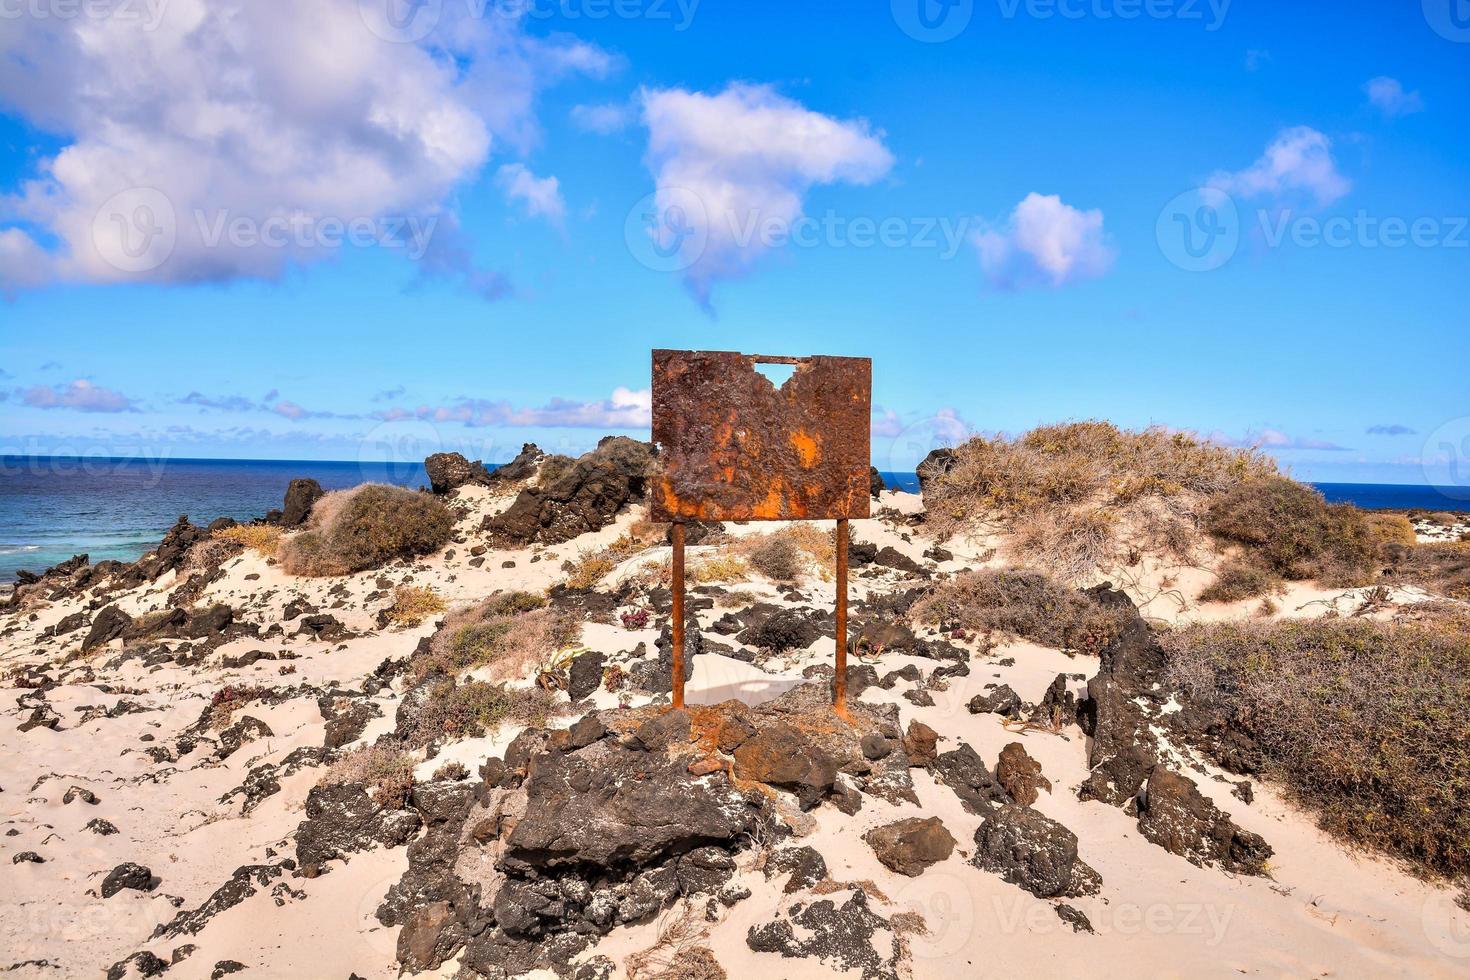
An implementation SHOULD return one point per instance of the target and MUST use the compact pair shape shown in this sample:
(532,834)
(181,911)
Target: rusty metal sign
(736,447)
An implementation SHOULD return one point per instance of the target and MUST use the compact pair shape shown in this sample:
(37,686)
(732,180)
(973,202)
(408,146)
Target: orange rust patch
(808,453)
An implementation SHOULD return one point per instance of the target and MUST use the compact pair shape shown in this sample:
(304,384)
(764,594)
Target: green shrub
(367,527)
(1238,580)
(512,633)
(1289,529)
(1021,603)
(475,709)
(1363,721)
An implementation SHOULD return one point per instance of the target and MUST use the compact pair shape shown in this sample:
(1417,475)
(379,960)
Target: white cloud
(604,119)
(747,156)
(1299,159)
(294,112)
(625,409)
(541,195)
(80,395)
(1387,95)
(1276,439)
(1044,243)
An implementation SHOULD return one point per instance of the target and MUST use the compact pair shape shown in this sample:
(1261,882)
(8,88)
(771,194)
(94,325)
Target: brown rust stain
(735,447)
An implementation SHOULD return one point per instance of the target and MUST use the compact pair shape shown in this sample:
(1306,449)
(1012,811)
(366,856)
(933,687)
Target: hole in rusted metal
(776,374)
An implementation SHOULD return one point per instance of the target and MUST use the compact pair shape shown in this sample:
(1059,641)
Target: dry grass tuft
(264,538)
(678,951)
(589,569)
(1020,603)
(229,699)
(412,604)
(387,773)
(1083,495)
(1237,579)
(367,527)
(1363,721)
(724,566)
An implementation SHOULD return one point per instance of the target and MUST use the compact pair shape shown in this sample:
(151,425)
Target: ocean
(52,508)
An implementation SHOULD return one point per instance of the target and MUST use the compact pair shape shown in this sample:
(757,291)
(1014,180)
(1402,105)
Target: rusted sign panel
(735,447)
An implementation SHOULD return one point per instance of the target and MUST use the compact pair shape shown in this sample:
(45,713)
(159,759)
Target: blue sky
(1035,174)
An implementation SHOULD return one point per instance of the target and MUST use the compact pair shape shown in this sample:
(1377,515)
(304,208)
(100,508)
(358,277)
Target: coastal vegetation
(367,527)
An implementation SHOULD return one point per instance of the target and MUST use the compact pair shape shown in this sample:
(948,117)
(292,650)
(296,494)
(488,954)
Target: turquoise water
(52,508)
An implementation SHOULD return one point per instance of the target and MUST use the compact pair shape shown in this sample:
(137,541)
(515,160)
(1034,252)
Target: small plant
(778,557)
(475,709)
(229,699)
(589,569)
(722,567)
(386,772)
(1238,580)
(613,678)
(634,619)
(413,604)
(511,633)
(451,772)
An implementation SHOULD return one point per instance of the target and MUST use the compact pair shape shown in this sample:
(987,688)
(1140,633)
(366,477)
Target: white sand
(1324,912)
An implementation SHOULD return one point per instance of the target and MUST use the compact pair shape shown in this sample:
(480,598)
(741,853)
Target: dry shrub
(209,554)
(229,699)
(511,632)
(1081,495)
(553,468)
(721,567)
(451,772)
(1441,566)
(367,527)
(1291,530)
(1021,603)
(264,538)
(386,772)
(412,604)
(1363,721)
(678,951)
(1239,579)
(477,708)
(1391,528)
(589,569)
(788,553)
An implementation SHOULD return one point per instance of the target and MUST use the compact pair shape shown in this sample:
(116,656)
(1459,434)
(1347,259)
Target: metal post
(676,631)
(839,695)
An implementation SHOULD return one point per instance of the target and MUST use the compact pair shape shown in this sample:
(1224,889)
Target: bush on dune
(1021,603)
(367,527)
(511,633)
(475,709)
(386,772)
(1363,721)
(1084,496)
